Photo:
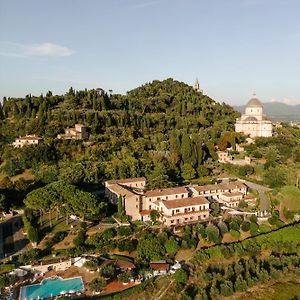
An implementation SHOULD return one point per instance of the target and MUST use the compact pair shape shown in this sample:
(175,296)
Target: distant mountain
(278,111)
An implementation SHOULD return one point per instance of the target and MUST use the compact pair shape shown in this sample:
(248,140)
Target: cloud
(48,49)
(28,50)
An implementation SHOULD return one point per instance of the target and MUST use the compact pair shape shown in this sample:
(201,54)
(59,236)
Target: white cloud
(27,50)
(48,49)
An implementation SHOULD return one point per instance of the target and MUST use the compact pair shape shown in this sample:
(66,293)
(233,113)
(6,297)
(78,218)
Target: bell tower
(197,87)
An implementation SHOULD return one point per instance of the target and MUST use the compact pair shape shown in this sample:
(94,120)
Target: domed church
(254,122)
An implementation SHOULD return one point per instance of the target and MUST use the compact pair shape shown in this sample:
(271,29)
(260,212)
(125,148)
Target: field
(280,290)
(289,197)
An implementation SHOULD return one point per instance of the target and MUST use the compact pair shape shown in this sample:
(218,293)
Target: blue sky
(234,47)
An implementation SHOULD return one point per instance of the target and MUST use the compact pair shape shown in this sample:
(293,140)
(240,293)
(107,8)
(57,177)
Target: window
(182,195)
(166,197)
(149,207)
(137,206)
(176,196)
(177,210)
(172,221)
(150,199)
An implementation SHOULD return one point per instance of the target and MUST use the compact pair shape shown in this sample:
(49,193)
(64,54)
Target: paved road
(264,201)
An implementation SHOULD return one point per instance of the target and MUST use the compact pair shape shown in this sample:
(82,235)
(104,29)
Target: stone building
(254,123)
(27,140)
(79,132)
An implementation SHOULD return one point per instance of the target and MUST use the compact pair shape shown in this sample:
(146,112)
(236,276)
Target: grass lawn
(264,228)
(289,197)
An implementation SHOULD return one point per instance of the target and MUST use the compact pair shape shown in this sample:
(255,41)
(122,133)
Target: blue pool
(51,287)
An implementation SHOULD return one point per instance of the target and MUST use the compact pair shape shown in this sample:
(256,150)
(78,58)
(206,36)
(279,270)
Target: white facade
(254,123)
(27,140)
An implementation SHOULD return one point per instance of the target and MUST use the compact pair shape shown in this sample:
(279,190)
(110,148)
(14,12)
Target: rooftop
(29,137)
(185,202)
(166,192)
(220,186)
(121,190)
(254,102)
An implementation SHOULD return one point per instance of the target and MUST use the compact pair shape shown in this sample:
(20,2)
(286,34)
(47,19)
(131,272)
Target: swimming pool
(51,287)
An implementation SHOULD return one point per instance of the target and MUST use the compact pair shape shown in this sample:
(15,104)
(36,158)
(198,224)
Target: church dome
(254,102)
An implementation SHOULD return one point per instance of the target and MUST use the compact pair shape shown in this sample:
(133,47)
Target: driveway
(264,201)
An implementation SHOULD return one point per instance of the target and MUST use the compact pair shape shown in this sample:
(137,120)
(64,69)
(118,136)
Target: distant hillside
(278,111)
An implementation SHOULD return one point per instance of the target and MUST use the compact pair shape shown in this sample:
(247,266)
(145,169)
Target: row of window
(177,221)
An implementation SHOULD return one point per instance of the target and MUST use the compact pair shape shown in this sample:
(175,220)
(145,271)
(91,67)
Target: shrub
(253,229)
(223,228)
(235,234)
(97,285)
(124,277)
(180,277)
(108,271)
(124,231)
(245,226)
(80,239)
(213,233)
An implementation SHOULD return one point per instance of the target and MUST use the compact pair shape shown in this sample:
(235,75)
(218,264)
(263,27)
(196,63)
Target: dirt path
(161,293)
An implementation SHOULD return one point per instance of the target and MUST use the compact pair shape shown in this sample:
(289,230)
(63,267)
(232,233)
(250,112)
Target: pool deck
(23,296)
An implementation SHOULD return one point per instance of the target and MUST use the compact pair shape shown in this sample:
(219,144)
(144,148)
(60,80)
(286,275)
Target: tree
(97,284)
(245,226)
(32,234)
(2,202)
(149,248)
(171,246)
(226,288)
(180,277)
(79,239)
(120,206)
(212,233)
(154,215)
(222,227)
(91,265)
(158,178)
(108,271)
(188,172)
(124,276)
(275,177)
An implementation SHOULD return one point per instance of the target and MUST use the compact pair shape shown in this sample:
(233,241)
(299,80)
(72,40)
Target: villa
(26,140)
(175,205)
(79,132)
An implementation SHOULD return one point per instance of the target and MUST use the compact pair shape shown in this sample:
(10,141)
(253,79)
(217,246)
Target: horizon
(233,48)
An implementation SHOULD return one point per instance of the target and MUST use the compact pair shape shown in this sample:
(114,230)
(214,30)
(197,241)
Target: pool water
(51,287)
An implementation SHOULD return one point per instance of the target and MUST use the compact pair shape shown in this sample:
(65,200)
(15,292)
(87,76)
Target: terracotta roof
(126,180)
(166,192)
(185,202)
(159,266)
(122,264)
(121,190)
(145,212)
(220,186)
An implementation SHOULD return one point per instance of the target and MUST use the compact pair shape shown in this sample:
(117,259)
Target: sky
(233,47)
